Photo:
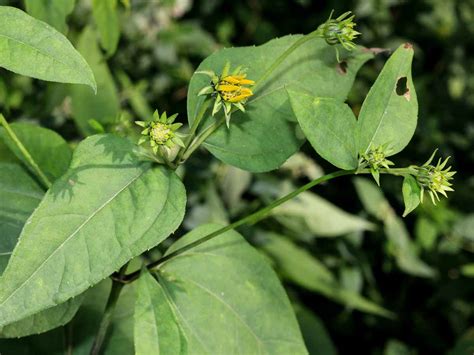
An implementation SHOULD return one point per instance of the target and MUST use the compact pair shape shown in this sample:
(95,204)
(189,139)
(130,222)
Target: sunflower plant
(95,241)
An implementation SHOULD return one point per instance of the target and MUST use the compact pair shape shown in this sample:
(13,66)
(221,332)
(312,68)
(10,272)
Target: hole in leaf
(342,67)
(402,89)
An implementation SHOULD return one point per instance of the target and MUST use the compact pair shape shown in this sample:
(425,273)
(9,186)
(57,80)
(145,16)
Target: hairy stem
(202,137)
(108,313)
(193,129)
(37,170)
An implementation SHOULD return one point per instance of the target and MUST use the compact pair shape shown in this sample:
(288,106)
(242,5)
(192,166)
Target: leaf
(266,135)
(103,107)
(156,328)
(83,328)
(52,12)
(401,245)
(411,194)
(23,195)
(330,127)
(318,216)
(108,208)
(315,335)
(47,148)
(39,51)
(390,110)
(43,321)
(300,267)
(404,249)
(372,198)
(105,14)
(250,310)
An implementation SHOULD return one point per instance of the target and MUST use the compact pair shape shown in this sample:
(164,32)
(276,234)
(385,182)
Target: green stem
(284,55)
(252,218)
(108,313)
(43,178)
(202,137)
(193,129)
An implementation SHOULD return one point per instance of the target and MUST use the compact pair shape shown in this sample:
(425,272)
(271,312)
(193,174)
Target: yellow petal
(228,88)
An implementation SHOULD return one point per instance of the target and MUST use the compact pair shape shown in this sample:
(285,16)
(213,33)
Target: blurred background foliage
(362,279)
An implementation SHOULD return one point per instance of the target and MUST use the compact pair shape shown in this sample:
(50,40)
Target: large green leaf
(106,17)
(300,267)
(53,12)
(390,110)
(103,107)
(19,196)
(33,48)
(156,328)
(329,125)
(224,296)
(266,135)
(108,208)
(47,148)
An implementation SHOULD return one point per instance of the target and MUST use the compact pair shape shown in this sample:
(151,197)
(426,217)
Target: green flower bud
(340,30)
(375,158)
(434,179)
(161,132)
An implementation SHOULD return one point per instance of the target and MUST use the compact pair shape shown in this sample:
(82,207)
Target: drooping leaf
(266,135)
(108,208)
(106,17)
(19,196)
(411,194)
(390,110)
(329,125)
(404,249)
(250,310)
(315,335)
(309,215)
(43,321)
(53,12)
(47,148)
(300,267)
(156,328)
(81,331)
(39,51)
(401,245)
(103,107)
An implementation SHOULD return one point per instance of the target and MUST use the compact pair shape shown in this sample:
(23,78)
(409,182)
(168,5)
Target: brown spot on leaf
(342,67)
(408,46)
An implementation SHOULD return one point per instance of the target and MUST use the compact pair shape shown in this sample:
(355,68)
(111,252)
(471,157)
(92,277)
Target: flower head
(161,133)
(229,90)
(434,179)
(340,30)
(375,158)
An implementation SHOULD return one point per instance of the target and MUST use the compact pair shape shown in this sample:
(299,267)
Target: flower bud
(340,30)
(161,132)
(434,179)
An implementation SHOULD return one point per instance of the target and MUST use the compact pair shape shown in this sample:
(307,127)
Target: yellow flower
(229,90)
